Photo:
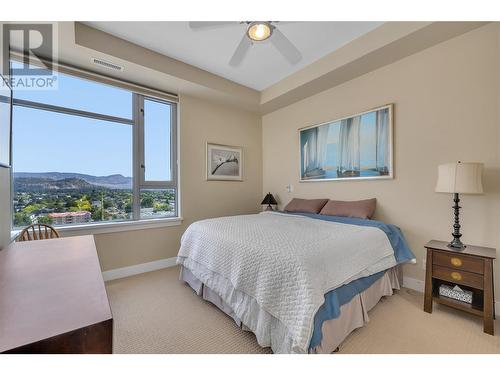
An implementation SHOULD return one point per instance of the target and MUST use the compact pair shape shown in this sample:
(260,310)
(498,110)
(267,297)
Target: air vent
(107,64)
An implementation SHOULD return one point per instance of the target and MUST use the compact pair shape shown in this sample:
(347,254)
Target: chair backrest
(37,232)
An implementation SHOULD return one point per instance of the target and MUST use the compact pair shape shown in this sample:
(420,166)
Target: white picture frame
(224,162)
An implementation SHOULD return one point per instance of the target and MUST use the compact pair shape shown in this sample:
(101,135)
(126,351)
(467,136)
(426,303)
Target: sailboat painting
(355,147)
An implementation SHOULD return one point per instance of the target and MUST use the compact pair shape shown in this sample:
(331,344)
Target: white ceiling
(211,48)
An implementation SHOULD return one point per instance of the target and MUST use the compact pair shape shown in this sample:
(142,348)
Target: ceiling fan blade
(199,25)
(241,51)
(285,47)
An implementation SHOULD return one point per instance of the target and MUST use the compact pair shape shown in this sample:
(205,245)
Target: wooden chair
(37,232)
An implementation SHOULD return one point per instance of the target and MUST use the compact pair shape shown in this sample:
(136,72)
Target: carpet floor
(156,313)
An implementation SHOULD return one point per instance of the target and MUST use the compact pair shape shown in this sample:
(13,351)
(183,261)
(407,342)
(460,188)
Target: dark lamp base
(454,246)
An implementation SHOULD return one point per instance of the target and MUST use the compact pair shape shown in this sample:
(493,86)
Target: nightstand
(471,269)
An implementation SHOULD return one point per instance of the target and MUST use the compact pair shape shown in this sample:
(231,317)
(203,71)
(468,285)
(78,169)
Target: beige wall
(200,122)
(446,102)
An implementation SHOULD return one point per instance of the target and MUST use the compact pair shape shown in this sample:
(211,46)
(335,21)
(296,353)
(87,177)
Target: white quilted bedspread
(286,262)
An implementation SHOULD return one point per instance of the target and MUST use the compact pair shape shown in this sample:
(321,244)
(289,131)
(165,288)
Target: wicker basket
(455,293)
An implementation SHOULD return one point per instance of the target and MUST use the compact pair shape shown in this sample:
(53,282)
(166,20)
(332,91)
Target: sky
(156,141)
(45,141)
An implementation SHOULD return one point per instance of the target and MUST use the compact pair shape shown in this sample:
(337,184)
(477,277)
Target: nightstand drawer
(459,262)
(460,277)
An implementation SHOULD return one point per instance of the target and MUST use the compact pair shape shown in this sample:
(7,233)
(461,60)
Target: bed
(300,282)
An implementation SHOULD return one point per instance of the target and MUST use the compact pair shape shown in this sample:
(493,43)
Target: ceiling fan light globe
(259,31)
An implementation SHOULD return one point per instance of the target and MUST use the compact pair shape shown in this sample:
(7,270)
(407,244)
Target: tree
(45,220)
(29,209)
(83,204)
(21,219)
(97,215)
(162,207)
(70,202)
(147,201)
(128,207)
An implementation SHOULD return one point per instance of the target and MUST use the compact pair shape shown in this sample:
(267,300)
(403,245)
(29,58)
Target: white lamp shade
(460,177)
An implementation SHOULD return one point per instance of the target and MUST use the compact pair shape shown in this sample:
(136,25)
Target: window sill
(122,226)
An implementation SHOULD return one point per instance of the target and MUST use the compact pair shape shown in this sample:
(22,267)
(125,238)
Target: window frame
(139,166)
(152,184)
(139,94)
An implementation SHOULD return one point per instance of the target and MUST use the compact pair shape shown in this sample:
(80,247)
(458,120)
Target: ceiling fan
(257,31)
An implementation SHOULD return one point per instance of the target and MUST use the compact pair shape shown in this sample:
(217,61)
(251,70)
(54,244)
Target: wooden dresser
(472,269)
(53,299)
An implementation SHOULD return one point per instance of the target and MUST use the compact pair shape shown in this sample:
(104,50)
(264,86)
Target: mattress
(353,314)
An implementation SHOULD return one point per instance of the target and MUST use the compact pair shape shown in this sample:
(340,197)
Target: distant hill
(36,184)
(57,180)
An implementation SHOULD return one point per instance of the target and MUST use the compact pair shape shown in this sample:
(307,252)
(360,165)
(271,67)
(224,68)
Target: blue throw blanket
(342,295)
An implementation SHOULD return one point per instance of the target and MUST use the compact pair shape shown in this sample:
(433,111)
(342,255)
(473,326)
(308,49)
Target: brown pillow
(313,206)
(363,209)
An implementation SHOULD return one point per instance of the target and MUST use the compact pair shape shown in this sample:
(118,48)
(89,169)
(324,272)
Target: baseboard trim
(137,269)
(419,286)
(415,284)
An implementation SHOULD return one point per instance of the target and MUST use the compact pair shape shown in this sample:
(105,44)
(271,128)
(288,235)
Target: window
(90,153)
(82,94)
(157,141)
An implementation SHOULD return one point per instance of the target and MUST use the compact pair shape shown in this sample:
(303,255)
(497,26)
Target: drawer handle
(456,276)
(457,262)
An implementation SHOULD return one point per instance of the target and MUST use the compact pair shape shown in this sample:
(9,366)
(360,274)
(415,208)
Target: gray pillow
(312,206)
(363,209)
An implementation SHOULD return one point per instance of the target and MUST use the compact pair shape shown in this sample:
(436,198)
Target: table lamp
(459,178)
(269,200)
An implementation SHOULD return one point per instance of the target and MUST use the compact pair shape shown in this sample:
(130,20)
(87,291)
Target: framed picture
(5,123)
(351,148)
(224,163)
